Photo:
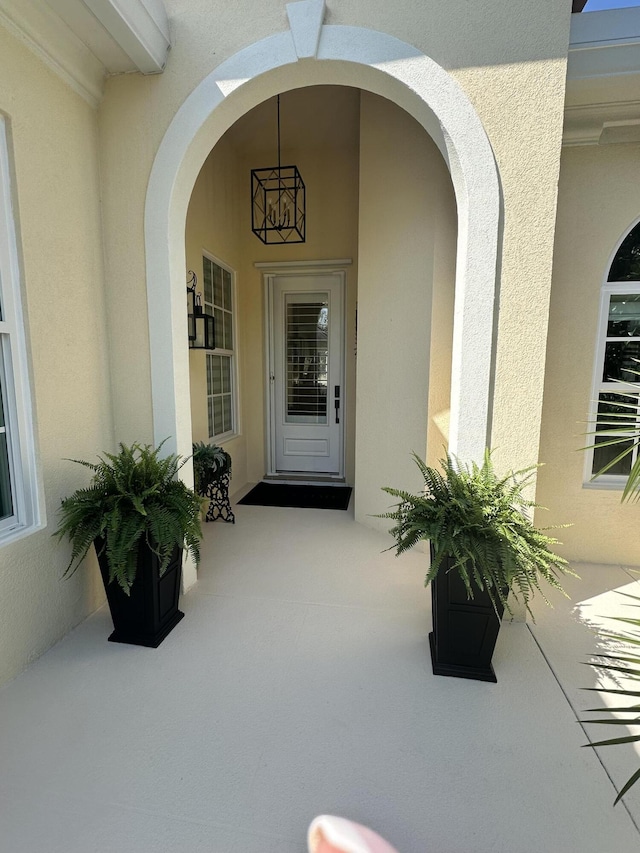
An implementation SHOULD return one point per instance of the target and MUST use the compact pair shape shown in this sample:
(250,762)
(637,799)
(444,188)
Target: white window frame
(609,289)
(220,351)
(28,514)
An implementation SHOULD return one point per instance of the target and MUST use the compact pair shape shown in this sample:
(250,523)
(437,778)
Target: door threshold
(304,479)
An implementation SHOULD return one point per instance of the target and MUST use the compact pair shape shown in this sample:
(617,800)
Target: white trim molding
(140,28)
(290,265)
(603,78)
(604,43)
(305,19)
(269,276)
(602,123)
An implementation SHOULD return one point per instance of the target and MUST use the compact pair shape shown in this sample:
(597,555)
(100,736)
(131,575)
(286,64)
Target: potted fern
(140,518)
(212,474)
(210,463)
(483,547)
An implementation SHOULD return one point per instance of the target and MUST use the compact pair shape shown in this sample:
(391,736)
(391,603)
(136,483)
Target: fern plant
(133,496)
(481,521)
(210,462)
(625,662)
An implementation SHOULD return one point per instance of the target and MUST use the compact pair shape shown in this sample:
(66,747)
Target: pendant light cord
(278,136)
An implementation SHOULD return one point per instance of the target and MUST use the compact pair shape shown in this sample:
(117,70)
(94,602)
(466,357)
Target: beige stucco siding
(212,228)
(519,102)
(444,271)
(522,110)
(54,142)
(598,203)
(124,167)
(405,199)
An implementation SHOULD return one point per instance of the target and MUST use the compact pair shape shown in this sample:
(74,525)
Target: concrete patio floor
(299,683)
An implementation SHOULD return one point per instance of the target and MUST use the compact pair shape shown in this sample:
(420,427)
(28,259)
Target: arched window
(616,408)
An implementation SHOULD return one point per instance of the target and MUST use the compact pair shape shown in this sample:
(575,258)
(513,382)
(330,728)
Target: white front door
(306,373)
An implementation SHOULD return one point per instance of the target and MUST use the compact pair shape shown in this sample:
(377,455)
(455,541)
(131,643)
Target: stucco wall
(442,305)
(54,141)
(212,227)
(516,83)
(404,192)
(598,202)
(523,116)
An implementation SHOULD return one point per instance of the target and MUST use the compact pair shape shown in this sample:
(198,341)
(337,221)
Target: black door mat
(309,497)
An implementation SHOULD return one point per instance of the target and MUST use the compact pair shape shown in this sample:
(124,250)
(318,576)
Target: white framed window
(19,504)
(8,500)
(616,389)
(219,300)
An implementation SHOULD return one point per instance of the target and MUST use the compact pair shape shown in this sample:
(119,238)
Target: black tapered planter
(150,612)
(465,629)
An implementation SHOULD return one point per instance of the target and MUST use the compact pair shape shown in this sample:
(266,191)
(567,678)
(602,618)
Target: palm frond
(621,429)
(621,662)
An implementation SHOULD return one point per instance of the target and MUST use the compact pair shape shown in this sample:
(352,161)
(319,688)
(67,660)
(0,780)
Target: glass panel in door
(306,354)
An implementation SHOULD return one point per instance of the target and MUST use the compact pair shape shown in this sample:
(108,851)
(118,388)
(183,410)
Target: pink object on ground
(329,834)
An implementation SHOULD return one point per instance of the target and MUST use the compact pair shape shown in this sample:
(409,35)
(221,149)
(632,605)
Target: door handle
(336,402)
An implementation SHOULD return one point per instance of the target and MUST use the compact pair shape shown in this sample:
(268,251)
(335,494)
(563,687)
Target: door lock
(336,402)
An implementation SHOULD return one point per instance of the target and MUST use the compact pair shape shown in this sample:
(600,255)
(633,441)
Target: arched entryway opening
(375,63)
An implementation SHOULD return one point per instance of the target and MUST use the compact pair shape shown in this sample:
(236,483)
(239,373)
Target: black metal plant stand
(219,506)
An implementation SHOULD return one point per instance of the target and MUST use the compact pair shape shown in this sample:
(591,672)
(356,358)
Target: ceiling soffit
(603,78)
(85,40)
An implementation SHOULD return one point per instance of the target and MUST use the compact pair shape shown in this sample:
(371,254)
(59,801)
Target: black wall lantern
(201,326)
(278,205)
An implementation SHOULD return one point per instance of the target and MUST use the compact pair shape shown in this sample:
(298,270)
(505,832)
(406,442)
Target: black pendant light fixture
(278,206)
(201,326)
